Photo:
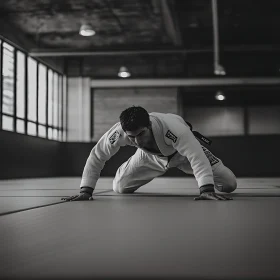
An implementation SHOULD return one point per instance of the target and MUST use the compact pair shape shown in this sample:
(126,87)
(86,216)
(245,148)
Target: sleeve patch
(114,137)
(171,136)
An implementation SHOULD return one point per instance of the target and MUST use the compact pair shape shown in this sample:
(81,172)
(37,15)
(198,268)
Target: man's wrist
(88,190)
(207,188)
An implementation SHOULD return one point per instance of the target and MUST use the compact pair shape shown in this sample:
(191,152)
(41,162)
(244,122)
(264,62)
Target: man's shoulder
(117,136)
(169,120)
(173,126)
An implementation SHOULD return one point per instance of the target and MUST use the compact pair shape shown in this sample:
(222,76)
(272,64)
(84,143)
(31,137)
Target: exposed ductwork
(264,81)
(70,52)
(218,68)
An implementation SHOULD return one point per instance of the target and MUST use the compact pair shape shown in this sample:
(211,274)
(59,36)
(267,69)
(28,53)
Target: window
(55,100)
(31,95)
(31,128)
(42,94)
(50,97)
(42,131)
(20,84)
(7,123)
(64,107)
(50,133)
(32,89)
(59,106)
(8,80)
(20,126)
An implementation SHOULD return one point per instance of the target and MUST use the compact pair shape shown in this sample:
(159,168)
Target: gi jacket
(171,134)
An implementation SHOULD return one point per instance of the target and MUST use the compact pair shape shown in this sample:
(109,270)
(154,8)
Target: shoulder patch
(171,136)
(114,137)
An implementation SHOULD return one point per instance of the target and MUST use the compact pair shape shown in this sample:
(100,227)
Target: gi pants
(141,168)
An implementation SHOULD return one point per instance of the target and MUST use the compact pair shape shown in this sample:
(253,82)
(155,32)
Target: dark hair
(134,118)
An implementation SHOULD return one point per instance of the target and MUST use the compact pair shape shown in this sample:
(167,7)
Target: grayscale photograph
(139,139)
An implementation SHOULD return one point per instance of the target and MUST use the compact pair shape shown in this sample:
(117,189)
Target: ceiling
(153,38)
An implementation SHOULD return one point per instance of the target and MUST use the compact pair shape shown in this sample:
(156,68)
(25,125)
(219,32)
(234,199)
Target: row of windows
(32,96)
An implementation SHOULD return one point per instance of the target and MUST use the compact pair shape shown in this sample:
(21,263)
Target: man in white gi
(164,141)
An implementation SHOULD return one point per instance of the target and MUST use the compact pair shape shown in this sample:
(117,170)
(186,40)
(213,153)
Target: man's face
(142,137)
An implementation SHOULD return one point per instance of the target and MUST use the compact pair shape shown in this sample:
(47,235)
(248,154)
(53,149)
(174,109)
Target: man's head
(135,121)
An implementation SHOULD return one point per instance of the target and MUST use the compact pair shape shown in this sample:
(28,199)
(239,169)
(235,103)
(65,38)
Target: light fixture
(220,96)
(220,70)
(123,72)
(86,30)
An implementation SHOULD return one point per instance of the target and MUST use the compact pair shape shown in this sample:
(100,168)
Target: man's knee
(230,187)
(119,187)
(227,187)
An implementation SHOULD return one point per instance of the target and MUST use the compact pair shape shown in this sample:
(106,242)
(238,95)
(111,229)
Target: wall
(249,156)
(109,103)
(232,120)
(245,155)
(216,121)
(23,156)
(79,109)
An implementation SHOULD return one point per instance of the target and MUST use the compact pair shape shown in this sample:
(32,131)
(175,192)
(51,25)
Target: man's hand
(212,196)
(79,197)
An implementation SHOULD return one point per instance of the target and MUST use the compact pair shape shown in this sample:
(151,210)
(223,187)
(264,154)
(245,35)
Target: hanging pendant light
(220,96)
(86,30)
(123,72)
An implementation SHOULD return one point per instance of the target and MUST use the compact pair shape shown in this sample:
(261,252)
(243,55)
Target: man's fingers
(224,197)
(212,196)
(69,198)
(227,197)
(80,197)
(220,197)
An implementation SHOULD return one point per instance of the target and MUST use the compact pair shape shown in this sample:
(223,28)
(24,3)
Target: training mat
(22,194)
(19,195)
(12,204)
(144,237)
(66,183)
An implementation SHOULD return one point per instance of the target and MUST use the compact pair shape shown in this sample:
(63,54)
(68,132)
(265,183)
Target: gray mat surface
(20,195)
(144,237)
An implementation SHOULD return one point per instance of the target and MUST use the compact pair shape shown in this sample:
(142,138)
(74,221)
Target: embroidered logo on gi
(115,136)
(171,136)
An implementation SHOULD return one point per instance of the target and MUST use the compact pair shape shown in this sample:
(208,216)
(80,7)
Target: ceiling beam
(197,82)
(72,52)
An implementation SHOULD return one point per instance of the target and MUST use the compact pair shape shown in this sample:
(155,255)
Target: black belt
(199,136)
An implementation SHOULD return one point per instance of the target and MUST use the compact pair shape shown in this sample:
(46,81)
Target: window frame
(60,127)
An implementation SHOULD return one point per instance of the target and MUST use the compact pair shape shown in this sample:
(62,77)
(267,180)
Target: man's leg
(224,179)
(139,170)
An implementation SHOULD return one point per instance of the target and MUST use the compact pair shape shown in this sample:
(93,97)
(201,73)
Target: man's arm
(106,147)
(187,145)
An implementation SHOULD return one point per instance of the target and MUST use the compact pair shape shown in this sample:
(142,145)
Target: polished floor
(159,232)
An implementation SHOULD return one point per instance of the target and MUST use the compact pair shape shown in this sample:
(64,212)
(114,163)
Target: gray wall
(30,157)
(250,156)
(23,156)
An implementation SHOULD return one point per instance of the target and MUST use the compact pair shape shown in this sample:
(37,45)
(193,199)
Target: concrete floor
(158,232)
